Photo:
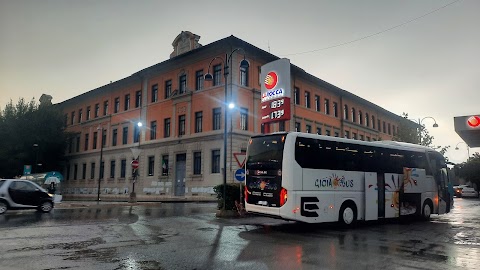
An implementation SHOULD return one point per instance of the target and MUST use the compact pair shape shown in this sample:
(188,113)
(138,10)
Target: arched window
(360,118)
(345,112)
(367,120)
(354,116)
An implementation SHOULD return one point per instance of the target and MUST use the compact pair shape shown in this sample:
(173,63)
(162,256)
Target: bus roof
(383,144)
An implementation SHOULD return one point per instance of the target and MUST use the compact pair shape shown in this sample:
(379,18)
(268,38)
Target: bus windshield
(265,150)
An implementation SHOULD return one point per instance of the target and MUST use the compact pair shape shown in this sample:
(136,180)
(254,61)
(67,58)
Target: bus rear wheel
(348,214)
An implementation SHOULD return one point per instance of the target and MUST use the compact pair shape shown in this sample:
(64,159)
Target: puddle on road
(130,264)
(67,246)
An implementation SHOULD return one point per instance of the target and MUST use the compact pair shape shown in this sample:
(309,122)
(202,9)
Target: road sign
(240,175)
(134,164)
(27,169)
(240,158)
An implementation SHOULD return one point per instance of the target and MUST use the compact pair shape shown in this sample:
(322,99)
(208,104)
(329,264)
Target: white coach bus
(314,178)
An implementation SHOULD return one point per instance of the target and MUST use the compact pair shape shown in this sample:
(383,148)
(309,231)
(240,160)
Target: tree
(27,124)
(470,170)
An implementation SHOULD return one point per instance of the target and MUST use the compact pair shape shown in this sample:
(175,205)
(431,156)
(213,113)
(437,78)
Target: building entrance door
(180,172)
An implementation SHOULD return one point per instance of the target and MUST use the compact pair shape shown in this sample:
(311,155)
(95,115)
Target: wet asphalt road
(188,236)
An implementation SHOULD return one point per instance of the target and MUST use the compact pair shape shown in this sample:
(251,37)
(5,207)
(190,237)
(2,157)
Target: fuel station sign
(275,91)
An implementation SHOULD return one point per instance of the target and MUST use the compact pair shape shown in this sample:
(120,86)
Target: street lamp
(435,125)
(208,77)
(35,146)
(468,149)
(133,195)
(101,168)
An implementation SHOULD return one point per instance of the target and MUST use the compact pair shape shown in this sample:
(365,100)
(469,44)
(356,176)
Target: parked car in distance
(468,191)
(24,194)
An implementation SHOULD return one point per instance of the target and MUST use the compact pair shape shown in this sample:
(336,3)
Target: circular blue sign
(240,175)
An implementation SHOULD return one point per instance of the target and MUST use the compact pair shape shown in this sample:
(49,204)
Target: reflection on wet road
(188,236)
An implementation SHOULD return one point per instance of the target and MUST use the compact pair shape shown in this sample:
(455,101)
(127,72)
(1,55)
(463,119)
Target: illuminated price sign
(276,110)
(277,103)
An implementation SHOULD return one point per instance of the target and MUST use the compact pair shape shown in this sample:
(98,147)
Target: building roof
(213,49)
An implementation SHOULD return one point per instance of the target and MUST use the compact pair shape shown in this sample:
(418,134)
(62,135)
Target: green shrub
(232,195)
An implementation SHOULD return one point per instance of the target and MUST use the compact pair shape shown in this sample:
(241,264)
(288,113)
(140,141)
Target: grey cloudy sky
(428,67)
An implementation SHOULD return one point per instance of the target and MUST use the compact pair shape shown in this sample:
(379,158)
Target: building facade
(180,143)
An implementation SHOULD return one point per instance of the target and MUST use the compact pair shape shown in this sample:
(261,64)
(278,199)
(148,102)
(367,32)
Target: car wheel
(3,207)
(348,215)
(45,207)
(427,211)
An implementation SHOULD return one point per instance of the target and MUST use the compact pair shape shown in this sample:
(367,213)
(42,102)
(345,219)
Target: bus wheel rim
(348,215)
(427,210)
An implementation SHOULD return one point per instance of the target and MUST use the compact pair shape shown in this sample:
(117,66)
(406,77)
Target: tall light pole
(133,195)
(435,125)
(468,149)
(35,146)
(208,77)
(100,165)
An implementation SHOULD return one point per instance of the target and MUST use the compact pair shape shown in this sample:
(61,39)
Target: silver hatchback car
(24,194)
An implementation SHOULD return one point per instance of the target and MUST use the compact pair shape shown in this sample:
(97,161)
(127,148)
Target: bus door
(372,203)
(439,172)
(381,194)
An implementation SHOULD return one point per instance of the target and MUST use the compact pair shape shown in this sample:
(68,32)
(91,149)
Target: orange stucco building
(180,142)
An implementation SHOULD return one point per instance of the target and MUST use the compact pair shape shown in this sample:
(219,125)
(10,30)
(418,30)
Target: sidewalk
(85,204)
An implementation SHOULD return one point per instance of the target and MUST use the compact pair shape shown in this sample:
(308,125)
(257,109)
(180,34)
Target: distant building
(181,140)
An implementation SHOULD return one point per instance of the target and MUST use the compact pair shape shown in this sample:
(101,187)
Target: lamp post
(133,195)
(468,149)
(435,125)
(208,77)
(35,146)
(101,168)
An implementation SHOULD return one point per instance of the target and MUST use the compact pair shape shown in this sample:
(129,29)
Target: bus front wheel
(348,214)
(426,211)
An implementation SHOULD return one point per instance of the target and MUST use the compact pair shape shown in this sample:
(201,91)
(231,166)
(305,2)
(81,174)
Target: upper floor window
(297,126)
(114,137)
(181,125)
(244,76)
(166,127)
(360,117)
(243,118)
(127,102)
(88,112)
(153,130)
(335,109)
(317,103)
(105,107)
(155,93)
(199,80)
(308,128)
(116,106)
(97,110)
(198,122)
(182,84)
(125,135)
(72,119)
(80,115)
(138,98)
(373,121)
(367,120)
(168,88)
(297,96)
(85,147)
(307,99)
(217,74)
(354,115)
(345,112)
(217,113)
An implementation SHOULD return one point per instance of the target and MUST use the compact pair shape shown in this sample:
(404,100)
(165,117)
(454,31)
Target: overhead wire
(374,34)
